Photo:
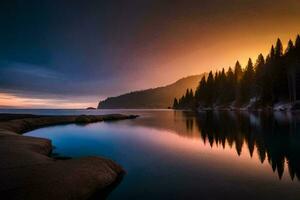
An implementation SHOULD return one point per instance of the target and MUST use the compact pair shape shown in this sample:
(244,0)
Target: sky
(71,54)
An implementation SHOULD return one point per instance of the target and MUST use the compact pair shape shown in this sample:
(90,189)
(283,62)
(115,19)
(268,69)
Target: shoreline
(285,108)
(264,110)
(28,171)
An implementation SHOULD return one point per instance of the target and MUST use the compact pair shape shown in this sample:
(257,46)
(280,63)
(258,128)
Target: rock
(91,108)
(27,171)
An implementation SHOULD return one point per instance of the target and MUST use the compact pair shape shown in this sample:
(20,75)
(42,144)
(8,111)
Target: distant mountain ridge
(161,97)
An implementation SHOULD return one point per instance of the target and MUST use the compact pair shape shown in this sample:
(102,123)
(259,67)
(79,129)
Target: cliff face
(161,97)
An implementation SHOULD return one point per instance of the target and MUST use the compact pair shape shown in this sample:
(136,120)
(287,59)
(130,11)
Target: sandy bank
(27,171)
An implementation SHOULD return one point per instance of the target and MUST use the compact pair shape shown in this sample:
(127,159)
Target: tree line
(263,83)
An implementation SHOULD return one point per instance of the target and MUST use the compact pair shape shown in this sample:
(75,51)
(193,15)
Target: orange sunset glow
(159,45)
(9,101)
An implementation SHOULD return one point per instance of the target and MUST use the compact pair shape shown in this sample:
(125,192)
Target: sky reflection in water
(176,155)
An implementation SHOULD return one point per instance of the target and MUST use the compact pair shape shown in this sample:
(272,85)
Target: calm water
(181,155)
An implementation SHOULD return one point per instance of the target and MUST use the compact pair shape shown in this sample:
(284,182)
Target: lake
(183,155)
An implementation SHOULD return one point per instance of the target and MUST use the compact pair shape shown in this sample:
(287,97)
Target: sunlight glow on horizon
(12,101)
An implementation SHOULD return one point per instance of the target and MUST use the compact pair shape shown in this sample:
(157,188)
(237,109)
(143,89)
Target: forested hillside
(260,84)
(161,97)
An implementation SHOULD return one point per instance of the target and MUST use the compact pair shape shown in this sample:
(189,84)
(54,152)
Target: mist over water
(177,155)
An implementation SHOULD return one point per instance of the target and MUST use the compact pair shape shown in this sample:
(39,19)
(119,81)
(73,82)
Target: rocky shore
(252,106)
(27,171)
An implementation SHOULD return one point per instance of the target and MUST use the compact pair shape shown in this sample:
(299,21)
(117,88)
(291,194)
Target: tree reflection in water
(275,135)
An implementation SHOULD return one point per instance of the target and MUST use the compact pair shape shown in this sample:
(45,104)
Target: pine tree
(259,70)
(222,88)
(209,97)
(272,53)
(297,46)
(238,72)
(249,70)
(175,104)
(268,59)
(201,92)
(278,49)
(267,83)
(230,90)
(191,94)
(181,102)
(259,62)
(191,102)
(297,43)
(187,98)
(290,47)
(247,86)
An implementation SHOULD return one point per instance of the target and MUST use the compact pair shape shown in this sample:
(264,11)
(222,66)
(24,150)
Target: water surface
(182,155)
